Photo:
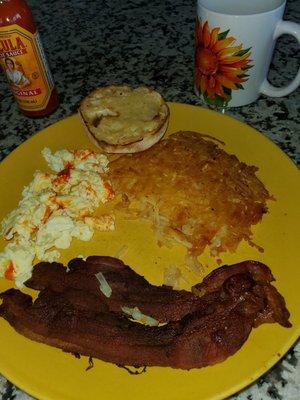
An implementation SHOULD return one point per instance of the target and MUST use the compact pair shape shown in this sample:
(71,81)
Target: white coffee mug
(235,40)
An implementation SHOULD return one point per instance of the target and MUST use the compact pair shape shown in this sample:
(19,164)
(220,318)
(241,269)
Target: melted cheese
(124,116)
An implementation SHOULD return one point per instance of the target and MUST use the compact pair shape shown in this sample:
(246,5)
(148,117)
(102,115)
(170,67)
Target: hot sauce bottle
(23,60)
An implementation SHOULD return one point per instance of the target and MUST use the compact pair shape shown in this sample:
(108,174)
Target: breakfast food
(127,288)
(233,300)
(55,207)
(131,290)
(193,192)
(122,119)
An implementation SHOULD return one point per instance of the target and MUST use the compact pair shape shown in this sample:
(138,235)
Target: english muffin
(122,119)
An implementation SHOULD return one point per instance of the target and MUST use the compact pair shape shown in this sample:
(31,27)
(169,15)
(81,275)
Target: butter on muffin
(122,119)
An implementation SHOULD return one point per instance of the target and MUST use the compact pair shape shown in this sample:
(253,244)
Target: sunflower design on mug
(219,67)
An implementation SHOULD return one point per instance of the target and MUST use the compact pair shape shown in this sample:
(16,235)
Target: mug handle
(266,88)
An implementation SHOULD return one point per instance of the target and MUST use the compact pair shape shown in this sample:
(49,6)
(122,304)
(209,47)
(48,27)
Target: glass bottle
(23,60)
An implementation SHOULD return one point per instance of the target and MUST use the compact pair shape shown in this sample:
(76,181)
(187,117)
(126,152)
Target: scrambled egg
(55,207)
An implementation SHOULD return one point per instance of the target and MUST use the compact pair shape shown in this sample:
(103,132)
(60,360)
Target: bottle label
(23,60)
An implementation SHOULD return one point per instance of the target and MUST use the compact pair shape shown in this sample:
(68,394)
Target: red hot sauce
(24,62)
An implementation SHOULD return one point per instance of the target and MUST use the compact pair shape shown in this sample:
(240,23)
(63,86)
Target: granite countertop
(92,44)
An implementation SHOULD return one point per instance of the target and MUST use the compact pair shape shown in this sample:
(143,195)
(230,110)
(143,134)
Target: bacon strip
(70,313)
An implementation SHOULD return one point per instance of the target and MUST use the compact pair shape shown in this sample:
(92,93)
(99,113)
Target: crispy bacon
(72,314)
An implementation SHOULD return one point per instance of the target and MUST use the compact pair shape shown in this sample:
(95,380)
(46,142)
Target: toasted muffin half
(122,119)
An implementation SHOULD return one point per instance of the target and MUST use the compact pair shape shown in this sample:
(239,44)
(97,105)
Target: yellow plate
(49,373)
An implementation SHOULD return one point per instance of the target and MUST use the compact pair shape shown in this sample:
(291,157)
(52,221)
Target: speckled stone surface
(93,43)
